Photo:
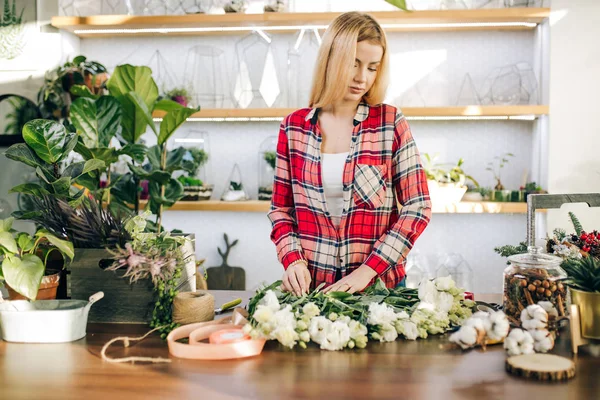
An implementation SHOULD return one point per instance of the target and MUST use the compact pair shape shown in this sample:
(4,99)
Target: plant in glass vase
(495,167)
(193,187)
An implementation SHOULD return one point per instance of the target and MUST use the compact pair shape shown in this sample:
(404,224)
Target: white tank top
(332,171)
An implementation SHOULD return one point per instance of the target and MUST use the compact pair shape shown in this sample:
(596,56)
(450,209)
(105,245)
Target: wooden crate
(122,302)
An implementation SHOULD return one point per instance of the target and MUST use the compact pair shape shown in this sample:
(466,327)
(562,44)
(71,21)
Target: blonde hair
(337,55)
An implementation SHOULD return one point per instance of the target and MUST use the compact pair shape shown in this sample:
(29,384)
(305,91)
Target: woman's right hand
(296,279)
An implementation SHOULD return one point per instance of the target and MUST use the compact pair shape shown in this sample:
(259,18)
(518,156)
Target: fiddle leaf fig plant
(47,145)
(22,267)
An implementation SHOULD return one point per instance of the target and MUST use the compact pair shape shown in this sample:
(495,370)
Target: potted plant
(63,84)
(25,257)
(179,95)
(499,193)
(531,188)
(446,186)
(193,187)
(584,281)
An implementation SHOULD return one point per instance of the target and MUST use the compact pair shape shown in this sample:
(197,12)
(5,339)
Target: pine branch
(576,223)
(509,250)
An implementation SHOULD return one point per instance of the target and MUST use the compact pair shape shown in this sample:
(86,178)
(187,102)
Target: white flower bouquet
(339,320)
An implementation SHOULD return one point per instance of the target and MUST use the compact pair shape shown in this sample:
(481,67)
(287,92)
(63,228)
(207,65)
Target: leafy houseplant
(137,92)
(446,185)
(47,144)
(63,85)
(25,259)
(495,167)
(194,188)
(179,95)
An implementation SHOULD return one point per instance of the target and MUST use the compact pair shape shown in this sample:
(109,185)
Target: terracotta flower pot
(47,289)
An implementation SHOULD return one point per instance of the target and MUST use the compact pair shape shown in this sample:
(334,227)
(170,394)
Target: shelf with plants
(517,112)
(465,207)
(203,24)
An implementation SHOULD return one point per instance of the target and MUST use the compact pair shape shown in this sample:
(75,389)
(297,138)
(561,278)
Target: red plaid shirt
(383,169)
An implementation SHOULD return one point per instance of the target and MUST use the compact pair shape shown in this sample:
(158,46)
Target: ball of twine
(192,307)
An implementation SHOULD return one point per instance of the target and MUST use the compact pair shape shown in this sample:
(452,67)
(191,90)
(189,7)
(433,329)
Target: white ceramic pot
(45,321)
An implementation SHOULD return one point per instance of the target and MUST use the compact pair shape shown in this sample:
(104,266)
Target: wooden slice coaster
(541,367)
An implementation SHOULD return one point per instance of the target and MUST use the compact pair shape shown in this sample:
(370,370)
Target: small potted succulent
(446,186)
(531,188)
(25,258)
(194,188)
(499,193)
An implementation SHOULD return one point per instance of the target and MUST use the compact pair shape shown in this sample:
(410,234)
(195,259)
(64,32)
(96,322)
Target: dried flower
(518,342)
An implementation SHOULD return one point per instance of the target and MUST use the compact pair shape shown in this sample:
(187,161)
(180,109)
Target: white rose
(380,314)
(319,326)
(408,329)
(427,292)
(445,302)
(444,283)
(270,300)
(286,335)
(357,329)
(337,337)
(311,310)
(304,336)
(263,314)
(285,318)
(388,333)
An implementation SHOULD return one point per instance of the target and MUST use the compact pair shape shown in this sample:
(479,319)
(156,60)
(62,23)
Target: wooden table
(421,369)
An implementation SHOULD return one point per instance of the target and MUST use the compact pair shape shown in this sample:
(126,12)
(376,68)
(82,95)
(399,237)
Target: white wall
(574,165)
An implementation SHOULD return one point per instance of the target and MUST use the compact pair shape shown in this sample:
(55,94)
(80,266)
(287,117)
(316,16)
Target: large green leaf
(143,113)
(136,151)
(75,170)
(124,190)
(49,139)
(64,246)
(156,175)
(25,241)
(172,121)
(167,105)
(83,91)
(30,188)
(23,153)
(8,242)
(6,224)
(173,193)
(96,121)
(61,186)
(125,79)
(175,157)
(24,275)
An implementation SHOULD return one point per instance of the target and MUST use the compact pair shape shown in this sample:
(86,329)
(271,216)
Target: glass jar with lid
(533,277)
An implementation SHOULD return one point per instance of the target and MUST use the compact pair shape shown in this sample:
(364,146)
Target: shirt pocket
(369,185)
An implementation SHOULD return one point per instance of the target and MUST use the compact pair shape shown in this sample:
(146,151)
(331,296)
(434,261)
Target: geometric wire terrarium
(195,163)
(267,156)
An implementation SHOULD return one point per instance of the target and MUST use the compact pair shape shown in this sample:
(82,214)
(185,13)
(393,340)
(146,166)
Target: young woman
(343,165)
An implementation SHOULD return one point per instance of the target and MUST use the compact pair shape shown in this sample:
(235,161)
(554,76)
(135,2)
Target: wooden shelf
(264,206)
(249,114)
(202,24)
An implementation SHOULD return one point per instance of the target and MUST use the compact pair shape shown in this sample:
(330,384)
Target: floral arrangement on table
(339,320)
(155,256)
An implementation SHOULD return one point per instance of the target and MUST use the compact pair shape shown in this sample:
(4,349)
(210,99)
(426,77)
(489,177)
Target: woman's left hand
(356,281)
